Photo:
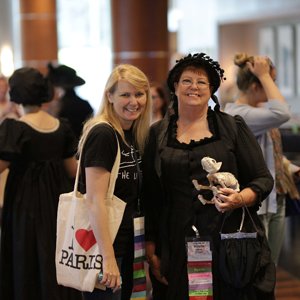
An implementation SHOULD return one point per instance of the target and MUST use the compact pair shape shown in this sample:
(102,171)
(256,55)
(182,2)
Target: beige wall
(234,38)
(243,36)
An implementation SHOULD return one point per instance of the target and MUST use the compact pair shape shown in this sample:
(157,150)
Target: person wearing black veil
(70,105)
(173,210)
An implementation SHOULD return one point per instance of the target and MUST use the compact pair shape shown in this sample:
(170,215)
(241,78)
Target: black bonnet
(197,60)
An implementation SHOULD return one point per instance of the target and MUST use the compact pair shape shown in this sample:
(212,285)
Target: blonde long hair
(106,112)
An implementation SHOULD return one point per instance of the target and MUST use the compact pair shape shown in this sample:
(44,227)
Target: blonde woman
(126,106)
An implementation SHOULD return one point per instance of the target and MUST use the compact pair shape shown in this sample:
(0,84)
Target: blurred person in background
(159,102)
(39,151)
(264,109)
(67,104)
(8,109)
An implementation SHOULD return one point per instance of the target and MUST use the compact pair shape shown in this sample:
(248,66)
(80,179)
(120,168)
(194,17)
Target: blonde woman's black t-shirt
(100,150)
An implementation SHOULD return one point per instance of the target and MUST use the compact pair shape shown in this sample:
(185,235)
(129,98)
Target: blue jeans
(125,265)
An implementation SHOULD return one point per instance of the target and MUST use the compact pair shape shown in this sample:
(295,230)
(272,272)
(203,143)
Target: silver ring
(100,276)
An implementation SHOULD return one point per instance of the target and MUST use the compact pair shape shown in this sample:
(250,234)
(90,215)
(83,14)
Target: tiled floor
(290,253)
(287,286)
(288,273)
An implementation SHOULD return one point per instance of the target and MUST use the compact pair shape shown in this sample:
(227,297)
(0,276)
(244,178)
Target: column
(38,33)
(140,36)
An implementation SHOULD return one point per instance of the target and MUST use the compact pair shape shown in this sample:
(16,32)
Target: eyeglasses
(200,83)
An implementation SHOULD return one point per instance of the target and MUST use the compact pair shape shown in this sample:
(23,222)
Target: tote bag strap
(114,171)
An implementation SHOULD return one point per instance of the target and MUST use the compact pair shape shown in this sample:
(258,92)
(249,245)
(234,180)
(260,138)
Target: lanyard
(139,275)
(140,179)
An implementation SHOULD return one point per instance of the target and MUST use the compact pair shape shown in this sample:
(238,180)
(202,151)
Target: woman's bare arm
(3,165)
(70,165)
(97,181)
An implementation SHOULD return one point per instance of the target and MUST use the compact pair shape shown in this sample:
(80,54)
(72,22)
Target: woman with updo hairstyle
(39,151)
(245,77)
(264,109)
(177,211)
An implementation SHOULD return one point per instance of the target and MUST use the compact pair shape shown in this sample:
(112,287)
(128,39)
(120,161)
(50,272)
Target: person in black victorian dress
(175,209)
(39,151)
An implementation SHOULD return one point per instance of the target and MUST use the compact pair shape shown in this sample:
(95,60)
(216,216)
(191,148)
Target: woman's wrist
(241,200)
(247,197)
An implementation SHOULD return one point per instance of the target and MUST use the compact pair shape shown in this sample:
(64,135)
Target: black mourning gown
(28,234)
(171,202)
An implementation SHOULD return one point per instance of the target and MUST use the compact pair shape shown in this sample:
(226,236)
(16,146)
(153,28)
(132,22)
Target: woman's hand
(154,264)
(154,261)
(111,274)
(260,66)
(228,199)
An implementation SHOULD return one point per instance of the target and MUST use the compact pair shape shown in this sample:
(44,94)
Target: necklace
(196,130)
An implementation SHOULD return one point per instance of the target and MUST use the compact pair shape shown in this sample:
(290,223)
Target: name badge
(199,266)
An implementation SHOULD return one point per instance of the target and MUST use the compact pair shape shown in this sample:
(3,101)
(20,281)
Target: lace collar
(212,124)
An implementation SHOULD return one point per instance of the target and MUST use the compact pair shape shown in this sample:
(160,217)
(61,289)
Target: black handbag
(244,257)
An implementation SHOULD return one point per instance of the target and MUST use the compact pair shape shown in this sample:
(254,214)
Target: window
(84,43)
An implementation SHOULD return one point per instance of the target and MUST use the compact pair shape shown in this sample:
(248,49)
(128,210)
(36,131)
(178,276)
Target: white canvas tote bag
(78,259)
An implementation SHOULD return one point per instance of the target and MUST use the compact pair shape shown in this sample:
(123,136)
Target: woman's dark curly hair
(199,61)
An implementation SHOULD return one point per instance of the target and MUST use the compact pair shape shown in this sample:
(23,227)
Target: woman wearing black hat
(174,214)
(39,151)
(70,106)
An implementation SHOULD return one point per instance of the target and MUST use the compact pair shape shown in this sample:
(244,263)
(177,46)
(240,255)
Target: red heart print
(85,238)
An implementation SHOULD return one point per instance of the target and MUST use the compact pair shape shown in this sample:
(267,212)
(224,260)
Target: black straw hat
(64,76)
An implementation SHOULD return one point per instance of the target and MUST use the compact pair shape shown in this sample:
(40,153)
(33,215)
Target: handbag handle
(242,220)
(114,171)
